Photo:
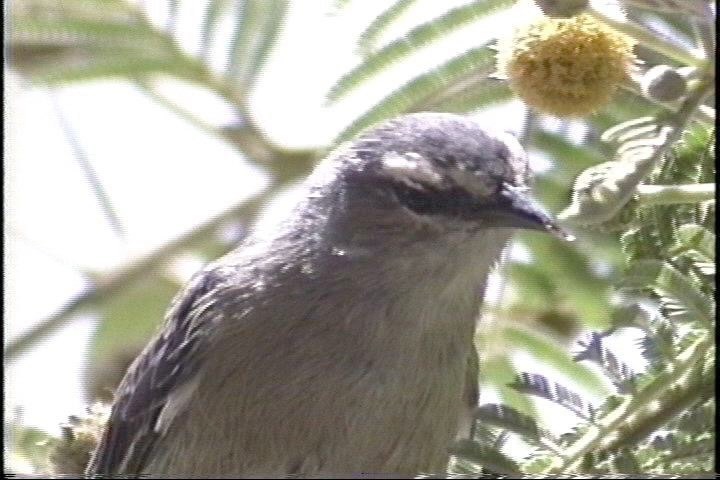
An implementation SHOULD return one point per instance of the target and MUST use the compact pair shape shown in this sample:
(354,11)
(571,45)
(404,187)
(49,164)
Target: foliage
(652,423)
(644,259)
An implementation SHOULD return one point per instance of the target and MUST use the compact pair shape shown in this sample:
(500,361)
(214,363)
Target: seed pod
(663,84)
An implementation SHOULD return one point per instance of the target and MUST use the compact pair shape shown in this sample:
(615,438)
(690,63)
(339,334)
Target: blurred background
(146,137)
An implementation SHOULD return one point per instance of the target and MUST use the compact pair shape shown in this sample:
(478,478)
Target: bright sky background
(164,176)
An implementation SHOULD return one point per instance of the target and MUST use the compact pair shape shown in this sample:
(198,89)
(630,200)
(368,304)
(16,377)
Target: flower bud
(565,67)
(663,84)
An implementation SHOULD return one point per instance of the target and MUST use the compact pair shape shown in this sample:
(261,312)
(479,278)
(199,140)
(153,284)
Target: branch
(91,177)
(704,113)
(106,285)
(601,191)
(200,73)
(649,39)
(670,194)
(286,165)
(608,431)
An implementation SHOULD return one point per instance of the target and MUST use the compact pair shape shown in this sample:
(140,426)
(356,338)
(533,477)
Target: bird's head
(435,172)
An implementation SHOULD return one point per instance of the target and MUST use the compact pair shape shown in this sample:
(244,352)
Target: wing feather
(168,362)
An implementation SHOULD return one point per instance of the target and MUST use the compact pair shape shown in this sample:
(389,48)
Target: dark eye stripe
(453,202)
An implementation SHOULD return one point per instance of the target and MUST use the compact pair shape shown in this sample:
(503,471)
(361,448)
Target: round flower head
(565,67)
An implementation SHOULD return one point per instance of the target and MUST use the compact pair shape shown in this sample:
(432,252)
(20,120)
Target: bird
(341,341)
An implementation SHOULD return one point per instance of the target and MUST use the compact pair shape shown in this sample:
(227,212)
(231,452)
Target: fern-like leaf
(620,374)
(256,31)
(420,91)
(369,36)
(678,293)
(536,384)
(510,419)
(602,190)
(416,38)
(551,353)
(79,40)
(489,457)
(213,11)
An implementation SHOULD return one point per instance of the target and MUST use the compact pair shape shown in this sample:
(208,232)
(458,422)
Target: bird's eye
(423,200)
(417,200)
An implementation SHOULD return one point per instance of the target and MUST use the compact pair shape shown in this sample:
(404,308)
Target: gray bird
(341,343)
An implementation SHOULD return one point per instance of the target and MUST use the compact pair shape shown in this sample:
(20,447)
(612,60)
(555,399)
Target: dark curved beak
(517,209)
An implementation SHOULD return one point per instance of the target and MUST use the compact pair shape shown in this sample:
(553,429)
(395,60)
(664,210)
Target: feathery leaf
(416,38)
(546,351)
(369,36)
(489,457)
(415,94)
(539,385)
(677,291)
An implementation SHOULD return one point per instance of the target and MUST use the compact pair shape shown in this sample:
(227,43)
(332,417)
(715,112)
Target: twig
(705,33)
(106,285)
(649,39)
(222,87)
(703,113)
(671,194)
(88,170)
(287,165)
(605,432)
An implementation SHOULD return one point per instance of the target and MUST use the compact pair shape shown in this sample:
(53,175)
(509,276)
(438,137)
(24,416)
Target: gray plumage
(339,344)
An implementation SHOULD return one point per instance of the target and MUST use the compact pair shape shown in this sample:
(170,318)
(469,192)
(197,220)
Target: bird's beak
(517,209)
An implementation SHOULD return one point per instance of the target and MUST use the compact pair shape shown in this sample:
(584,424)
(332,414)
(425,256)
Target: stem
(705,35)
(676,123)
(152,92)
(707,114)
(285,165)
(671,194)
(608,430)
(703,113)
(649,39)
(101,194)
(106,285)
(201,74)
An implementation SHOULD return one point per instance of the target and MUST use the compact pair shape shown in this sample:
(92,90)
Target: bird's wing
(166,363)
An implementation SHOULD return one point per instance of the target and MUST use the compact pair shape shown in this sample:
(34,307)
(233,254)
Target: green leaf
(485,455)
(697,8)
(539,291)
(510,419)
(275,13)
(117,64)
(97,31)
(571,159)
(31,444)
(479,95)
(256,32)
(694,238)
(674,288)
(499,372)
(416,38)
(129,317)
(83,40)
(422,88)
(369,36)
(602,190)
(213,12)
(547,351)
(586,295)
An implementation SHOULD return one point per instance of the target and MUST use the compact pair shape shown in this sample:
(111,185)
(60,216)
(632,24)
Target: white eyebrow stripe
(410,167)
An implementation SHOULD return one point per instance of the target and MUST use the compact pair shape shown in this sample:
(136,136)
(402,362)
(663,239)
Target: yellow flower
(565,67)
